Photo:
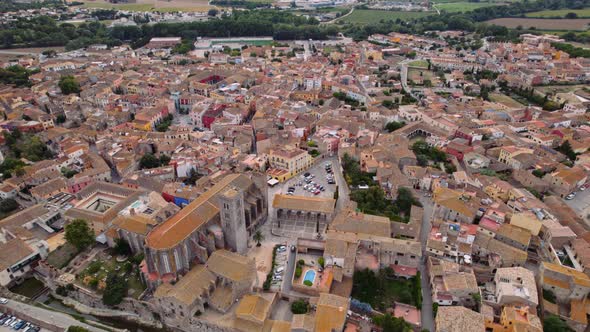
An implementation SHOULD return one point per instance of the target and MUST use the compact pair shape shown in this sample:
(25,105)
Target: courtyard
(95,273)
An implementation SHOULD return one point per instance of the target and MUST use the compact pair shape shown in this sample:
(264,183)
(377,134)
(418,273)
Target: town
(407,182)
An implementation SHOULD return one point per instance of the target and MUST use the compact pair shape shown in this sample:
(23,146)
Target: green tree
(68,85)
(299,307)
(566,149)
(122,247)
(164,160)
(8,205)
(554,324)
(321,261)
(390,323)
(115,290)
(79,234)
(149,160)
(258,237)
(394,125)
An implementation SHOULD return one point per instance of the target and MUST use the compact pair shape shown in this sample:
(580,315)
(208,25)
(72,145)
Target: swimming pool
(309,275)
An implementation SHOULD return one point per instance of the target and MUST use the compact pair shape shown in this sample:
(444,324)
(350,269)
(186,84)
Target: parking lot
(581,203)
(280,270)
(308,184)
(317,178)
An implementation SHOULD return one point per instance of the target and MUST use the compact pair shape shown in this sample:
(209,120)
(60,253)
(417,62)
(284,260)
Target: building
(566,283)
(453,319)
(163,42)
(292,160)
(292,209)
(515,285)
(331,313)
(100,202)
(17,258)
(222,217)
(451,283)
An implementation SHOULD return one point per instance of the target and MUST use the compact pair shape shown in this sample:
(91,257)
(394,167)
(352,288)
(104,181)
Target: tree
(61,118)
(122,247)
(8,205)
(115,290)
(567,150)
(68,85)
(476,299)
(390,323)
(79,234)
(212,12)
(538,173)
(148,160)
(321,261)
(554,324)
(571,15)
(394,125)
(299,307)
(258,237)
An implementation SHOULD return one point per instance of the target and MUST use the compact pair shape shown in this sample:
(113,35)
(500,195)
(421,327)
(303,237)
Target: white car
(570,197)
(3,300)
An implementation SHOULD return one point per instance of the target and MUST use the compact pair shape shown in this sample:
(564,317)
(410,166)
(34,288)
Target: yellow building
(331,313)
(291,160)
(515,319)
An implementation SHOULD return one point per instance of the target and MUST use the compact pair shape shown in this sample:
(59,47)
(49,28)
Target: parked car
(570,196)
(3,300)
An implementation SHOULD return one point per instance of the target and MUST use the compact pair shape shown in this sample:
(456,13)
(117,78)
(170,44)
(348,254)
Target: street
(58,319)
(581,204)
(427,314)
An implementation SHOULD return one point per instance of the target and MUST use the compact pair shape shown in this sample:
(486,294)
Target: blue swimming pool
(309,275)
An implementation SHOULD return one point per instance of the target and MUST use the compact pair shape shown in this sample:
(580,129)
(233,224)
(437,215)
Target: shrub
(93,267)
(301,262)
(298,271)
(93,283)
(308,283)
(74,328)
(299,307)
(321,262)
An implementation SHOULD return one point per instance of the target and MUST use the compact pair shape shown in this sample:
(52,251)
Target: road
(581,204)
(404,77)
(427,314)
(338,18)
(62,321)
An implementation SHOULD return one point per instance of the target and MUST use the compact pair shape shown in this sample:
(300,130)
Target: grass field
(560,13)
(542,23)
(371,16)
(419,63)
(504,99)
(455,7)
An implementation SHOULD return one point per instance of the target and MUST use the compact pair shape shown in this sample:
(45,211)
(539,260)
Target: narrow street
(427,314)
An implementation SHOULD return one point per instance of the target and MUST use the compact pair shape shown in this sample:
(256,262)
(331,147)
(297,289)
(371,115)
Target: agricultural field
(364,16)
(582,13)
(453,7)
(150,5)
(542,23)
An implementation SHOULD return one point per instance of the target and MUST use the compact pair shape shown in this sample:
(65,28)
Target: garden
(381,290)
(373,200)
(107,272)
